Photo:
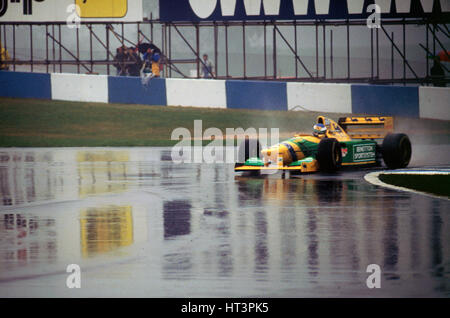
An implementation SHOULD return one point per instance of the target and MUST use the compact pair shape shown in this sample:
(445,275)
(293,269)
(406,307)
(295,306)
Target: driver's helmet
(319,130)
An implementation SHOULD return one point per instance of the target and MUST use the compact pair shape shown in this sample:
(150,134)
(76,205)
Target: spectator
(135,63)
(207,67)
(143,48)
(147,59)
(153,59)
(156,58)
(119,60)
(147,67)
(152,65)
(4,58)
(437,73)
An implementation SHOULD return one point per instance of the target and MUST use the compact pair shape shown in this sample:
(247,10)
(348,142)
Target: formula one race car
(349,143)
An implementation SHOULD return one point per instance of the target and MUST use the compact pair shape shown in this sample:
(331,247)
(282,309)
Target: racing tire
(396,150)
(329,155)
(378,155)
(248,148)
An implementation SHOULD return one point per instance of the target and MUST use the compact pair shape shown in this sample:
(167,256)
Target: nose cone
(265,153)
(273,153)
(270,154)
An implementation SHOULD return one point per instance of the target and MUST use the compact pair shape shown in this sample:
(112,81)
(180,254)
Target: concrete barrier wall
(25,85)
(335,98)
(434,102)
(423,102)
(256,95)
(79,87)
(197,93)
(130,90)
(385,100)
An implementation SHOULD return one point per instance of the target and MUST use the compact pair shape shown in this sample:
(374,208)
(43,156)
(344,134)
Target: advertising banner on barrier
(239,10)
(66,10)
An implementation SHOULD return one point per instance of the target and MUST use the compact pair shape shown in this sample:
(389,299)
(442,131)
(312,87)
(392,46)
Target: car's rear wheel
(329,155)
(396,151)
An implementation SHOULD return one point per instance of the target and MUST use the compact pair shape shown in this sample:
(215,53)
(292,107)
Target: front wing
(303,166)
(307,165)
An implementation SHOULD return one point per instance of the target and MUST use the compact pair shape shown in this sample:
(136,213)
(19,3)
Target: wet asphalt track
(141,226)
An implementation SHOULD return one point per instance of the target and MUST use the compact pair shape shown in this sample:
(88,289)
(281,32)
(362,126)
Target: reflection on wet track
(140,225)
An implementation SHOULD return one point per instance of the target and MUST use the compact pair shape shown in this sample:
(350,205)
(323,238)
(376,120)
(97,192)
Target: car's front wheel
(249,148)
(329,155)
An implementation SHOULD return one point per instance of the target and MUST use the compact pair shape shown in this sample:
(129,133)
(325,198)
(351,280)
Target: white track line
(372,178)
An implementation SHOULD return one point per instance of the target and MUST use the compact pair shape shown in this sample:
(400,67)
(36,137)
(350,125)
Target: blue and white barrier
(386,100)
(434,102)
(80,88)
(418,102)
(256,95)
(335,98)
(129,90)
(25,85)
(201,93)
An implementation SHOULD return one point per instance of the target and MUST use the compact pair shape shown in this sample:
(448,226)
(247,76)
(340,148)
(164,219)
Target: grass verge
(45,123)
(433,184)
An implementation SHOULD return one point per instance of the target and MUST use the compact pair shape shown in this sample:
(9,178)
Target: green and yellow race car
(350,142)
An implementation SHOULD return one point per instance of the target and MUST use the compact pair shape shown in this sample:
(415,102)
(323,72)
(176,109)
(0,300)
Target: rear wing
(368,127)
